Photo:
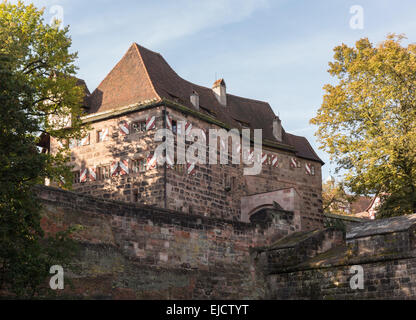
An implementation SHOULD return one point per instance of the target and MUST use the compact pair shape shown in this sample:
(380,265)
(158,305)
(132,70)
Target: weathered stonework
(205,191)
(385,249)
(141,252)
(142,94)
(133,251)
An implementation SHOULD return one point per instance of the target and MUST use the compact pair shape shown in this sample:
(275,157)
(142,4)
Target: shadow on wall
(135,150)
(288,199)
(131,184)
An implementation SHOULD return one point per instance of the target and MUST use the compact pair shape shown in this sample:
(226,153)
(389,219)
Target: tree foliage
(367,121)
(37,86)
(335,199)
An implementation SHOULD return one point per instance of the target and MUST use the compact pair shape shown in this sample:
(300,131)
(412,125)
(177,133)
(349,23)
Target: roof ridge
(108,73)
(139,46)
(145,69)
(250,99)
(194,85)
(173,70)
(188,81)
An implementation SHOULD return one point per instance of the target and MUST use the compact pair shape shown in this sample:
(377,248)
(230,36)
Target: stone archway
(288,199)
(260,214)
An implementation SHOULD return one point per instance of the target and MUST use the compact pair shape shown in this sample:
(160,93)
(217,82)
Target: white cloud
(42,3)
(170,20)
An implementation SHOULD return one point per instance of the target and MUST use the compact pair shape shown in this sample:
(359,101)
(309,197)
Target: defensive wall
(134,251)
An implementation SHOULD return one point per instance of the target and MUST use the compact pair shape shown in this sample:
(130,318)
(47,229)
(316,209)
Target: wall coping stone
(344,217)
(381,226)
(88,203)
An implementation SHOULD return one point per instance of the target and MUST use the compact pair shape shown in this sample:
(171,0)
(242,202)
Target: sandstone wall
(213,190)
(141,252)
(386,279)
(302,267)
(144,187)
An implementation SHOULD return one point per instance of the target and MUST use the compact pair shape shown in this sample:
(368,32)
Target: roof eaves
(94,117)
(312,159)
(277,145)
(195,113)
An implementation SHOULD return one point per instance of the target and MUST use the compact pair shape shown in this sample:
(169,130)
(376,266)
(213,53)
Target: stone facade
(212,190)
(142,94)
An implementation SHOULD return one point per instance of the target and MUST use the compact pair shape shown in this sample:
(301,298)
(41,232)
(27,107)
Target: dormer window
(277,129)
(195,99)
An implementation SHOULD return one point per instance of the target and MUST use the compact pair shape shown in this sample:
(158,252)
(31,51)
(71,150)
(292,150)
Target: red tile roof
(145,75)
(361,204)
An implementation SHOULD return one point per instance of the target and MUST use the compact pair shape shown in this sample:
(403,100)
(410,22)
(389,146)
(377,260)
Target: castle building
(141,94)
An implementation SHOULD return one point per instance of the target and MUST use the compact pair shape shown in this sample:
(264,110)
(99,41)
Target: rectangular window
(138,165)
(174,126)
(84,141)
(76,177)
(178,128)
(180,168)
(138,126)
(227,182)
(103,172)
(313,170)
(100,135)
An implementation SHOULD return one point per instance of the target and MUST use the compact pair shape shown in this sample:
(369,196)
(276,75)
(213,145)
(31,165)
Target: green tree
(335,199)
(367,120)
(37,87)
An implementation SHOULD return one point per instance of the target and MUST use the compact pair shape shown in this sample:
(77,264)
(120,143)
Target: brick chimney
(220,91)
(195,99)
(277,129)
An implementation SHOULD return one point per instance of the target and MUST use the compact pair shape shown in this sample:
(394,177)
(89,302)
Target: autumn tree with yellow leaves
(367,121)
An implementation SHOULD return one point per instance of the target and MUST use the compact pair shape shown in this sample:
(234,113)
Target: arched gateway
(255,207)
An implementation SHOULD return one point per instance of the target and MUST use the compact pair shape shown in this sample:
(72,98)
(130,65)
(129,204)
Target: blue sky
(272,50)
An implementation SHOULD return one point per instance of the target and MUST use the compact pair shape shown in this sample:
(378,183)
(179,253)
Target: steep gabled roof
(145,75)
(127,83)
(84,86)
